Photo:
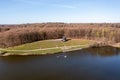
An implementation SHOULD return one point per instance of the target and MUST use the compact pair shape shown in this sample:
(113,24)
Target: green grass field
(42,47)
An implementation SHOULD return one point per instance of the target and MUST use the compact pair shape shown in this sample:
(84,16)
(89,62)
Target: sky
(68,11)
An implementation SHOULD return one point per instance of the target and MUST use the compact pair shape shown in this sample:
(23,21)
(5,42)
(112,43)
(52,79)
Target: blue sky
(69,11)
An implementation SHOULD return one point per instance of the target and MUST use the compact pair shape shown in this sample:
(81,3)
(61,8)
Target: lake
(87,64)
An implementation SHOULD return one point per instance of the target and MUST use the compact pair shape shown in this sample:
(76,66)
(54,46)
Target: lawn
(47,46)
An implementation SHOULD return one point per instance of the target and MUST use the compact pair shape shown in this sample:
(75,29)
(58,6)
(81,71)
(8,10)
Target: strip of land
(47,47)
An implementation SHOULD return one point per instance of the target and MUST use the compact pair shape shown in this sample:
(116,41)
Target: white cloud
(31,2)
(45,2)
(64,6)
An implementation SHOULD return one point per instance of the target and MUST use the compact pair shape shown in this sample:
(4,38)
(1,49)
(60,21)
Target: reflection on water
(103,51)
(87,64)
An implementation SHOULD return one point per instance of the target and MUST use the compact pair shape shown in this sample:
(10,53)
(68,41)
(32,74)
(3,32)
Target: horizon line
(60,22)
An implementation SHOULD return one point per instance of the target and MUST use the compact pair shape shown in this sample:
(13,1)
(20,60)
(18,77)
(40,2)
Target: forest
(12,35)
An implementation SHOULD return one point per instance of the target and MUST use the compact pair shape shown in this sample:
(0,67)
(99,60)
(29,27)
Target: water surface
(87,64)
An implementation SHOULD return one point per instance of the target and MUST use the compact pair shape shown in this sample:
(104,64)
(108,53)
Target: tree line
(12,35)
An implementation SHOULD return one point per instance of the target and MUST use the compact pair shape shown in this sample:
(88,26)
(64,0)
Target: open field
(47,47)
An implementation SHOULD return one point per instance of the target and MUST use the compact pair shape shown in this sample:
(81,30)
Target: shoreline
(28,53)
(54,50)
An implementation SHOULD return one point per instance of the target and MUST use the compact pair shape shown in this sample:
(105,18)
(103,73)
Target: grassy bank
(47,47)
